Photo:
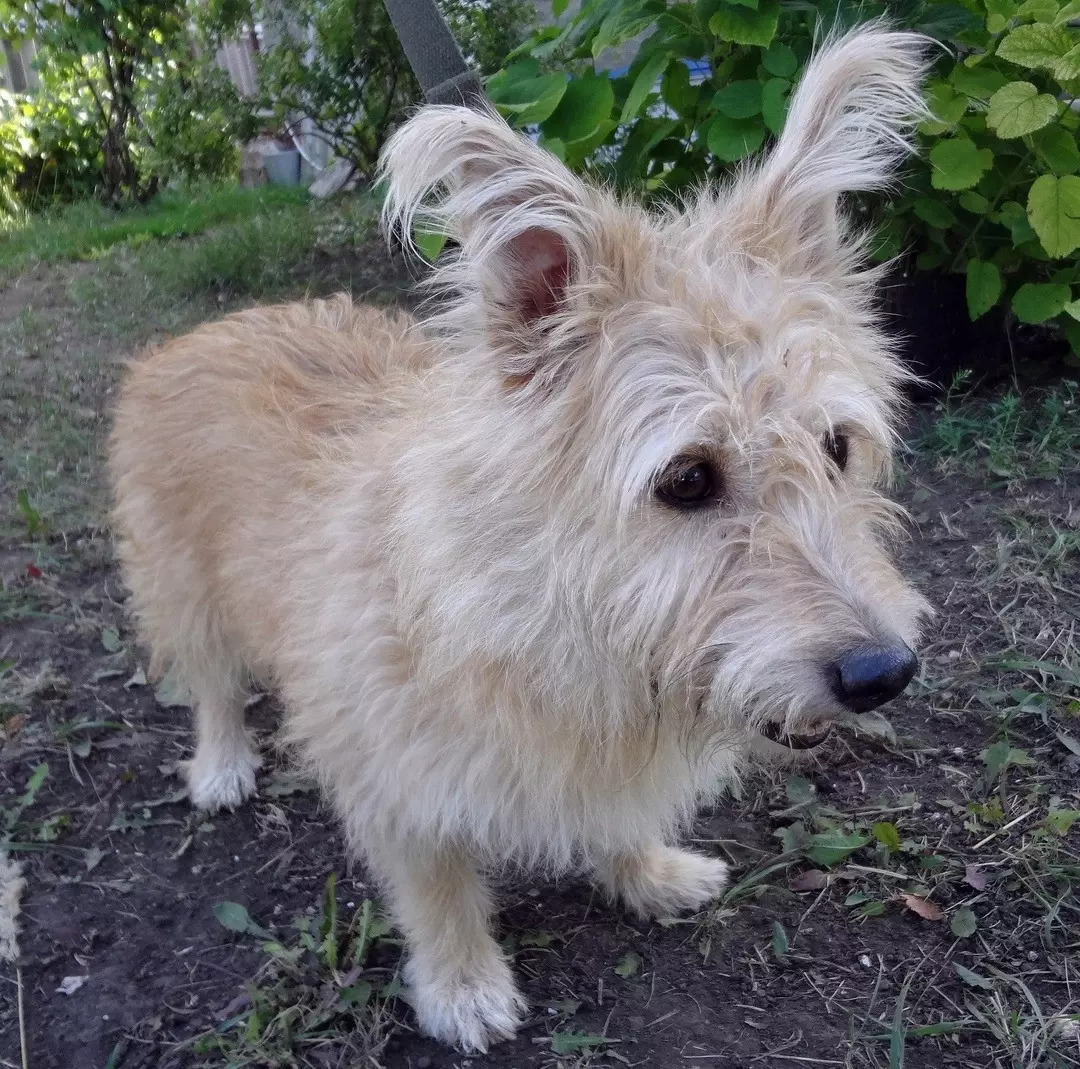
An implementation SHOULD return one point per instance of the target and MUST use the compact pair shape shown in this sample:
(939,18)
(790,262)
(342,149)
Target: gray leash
(433,54)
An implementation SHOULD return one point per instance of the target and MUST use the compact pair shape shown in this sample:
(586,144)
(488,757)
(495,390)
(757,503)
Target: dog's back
(222,437)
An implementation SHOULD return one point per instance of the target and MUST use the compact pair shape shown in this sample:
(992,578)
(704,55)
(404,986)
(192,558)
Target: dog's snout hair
(537,573)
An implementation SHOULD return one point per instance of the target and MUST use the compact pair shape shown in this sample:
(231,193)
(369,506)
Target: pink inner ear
(541,272)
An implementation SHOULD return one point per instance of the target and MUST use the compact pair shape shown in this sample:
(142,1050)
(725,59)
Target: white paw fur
(221,783)
(665,880)
(467,1007)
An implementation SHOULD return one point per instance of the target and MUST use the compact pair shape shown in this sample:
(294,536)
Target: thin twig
(22,1019)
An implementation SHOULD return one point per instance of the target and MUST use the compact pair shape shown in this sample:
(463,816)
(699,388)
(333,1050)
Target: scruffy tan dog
(534,577)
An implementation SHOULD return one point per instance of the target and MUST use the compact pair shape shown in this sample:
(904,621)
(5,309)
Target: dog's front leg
(460,982)
(660,880)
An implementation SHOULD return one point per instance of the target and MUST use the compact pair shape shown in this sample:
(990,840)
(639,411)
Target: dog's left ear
(523,221)
(849,125)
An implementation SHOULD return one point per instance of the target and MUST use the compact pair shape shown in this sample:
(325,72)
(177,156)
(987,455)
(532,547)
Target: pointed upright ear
(521,219)
(849,125)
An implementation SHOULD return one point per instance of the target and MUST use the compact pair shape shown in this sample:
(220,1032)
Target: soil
(121,891)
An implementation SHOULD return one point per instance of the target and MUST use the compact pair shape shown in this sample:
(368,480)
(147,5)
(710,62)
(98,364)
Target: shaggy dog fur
(535,577)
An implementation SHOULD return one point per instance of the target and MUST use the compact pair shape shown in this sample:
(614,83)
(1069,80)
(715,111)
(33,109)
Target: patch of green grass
(318,989)
(1014,437)
(60,352)
(87,230)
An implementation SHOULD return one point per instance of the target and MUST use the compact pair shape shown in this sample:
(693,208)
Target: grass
(87,230)
(321,987)
(1009,437)
(117,281)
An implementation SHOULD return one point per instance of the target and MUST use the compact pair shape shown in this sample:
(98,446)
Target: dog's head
(660,489)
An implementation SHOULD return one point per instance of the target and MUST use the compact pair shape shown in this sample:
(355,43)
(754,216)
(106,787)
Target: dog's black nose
(872,675)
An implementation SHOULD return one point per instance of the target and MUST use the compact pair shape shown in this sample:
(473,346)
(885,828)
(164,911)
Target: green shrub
(59,155)
(994,193)
(340,64)
(194,123)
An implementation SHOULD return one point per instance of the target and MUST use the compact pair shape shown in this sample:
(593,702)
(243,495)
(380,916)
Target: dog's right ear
(522,220)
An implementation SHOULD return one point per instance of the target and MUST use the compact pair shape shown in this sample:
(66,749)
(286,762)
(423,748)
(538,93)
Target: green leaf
(983,287)
(1071,309)
(800,791)
(1019,108)
(1053,209)
(774,103)
(794,838)
(558,7)
(572,1042)
(742,26)
(1061,820)
(586,103)
(1039,10)
(963,923)
(429,245)
(678,93)
(946,105)
(934,212)
(739,100)
(958,163)
(1036,302)
(779,941)
(173,693)
(731,140)
(887,834)
(832,847)
(624,22)
(1037,46)
(870,909)
(629,965)
(1057,148)
(1064,14)
(643,85)
(358,996)
(973,979)
(978,83)
(1014,216)
(526,99)
(779,60)
(233,916)
(1067,68)
(973,202)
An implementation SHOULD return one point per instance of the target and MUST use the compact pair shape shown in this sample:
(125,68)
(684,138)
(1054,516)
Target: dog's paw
(221,784)
(469,1010)
(666,880)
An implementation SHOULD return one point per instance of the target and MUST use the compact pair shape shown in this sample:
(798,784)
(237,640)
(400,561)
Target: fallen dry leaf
(926,909)
(70,984)
(810,880)
(974,877)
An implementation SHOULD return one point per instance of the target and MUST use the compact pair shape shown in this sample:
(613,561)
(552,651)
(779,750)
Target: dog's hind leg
(661,880)
(222,772)
(460,982)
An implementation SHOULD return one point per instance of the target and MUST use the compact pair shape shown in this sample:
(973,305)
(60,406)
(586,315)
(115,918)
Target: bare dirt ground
(905,900)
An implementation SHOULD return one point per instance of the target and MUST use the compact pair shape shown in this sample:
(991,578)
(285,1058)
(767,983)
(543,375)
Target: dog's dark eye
(688,484)
(836,448)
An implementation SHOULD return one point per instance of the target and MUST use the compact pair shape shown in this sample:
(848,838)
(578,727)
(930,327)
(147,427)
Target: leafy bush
(54,144)
(994,194)
(194,123)
(124,104)
(339,63)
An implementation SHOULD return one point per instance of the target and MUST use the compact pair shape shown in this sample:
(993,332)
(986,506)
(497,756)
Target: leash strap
(433,54)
